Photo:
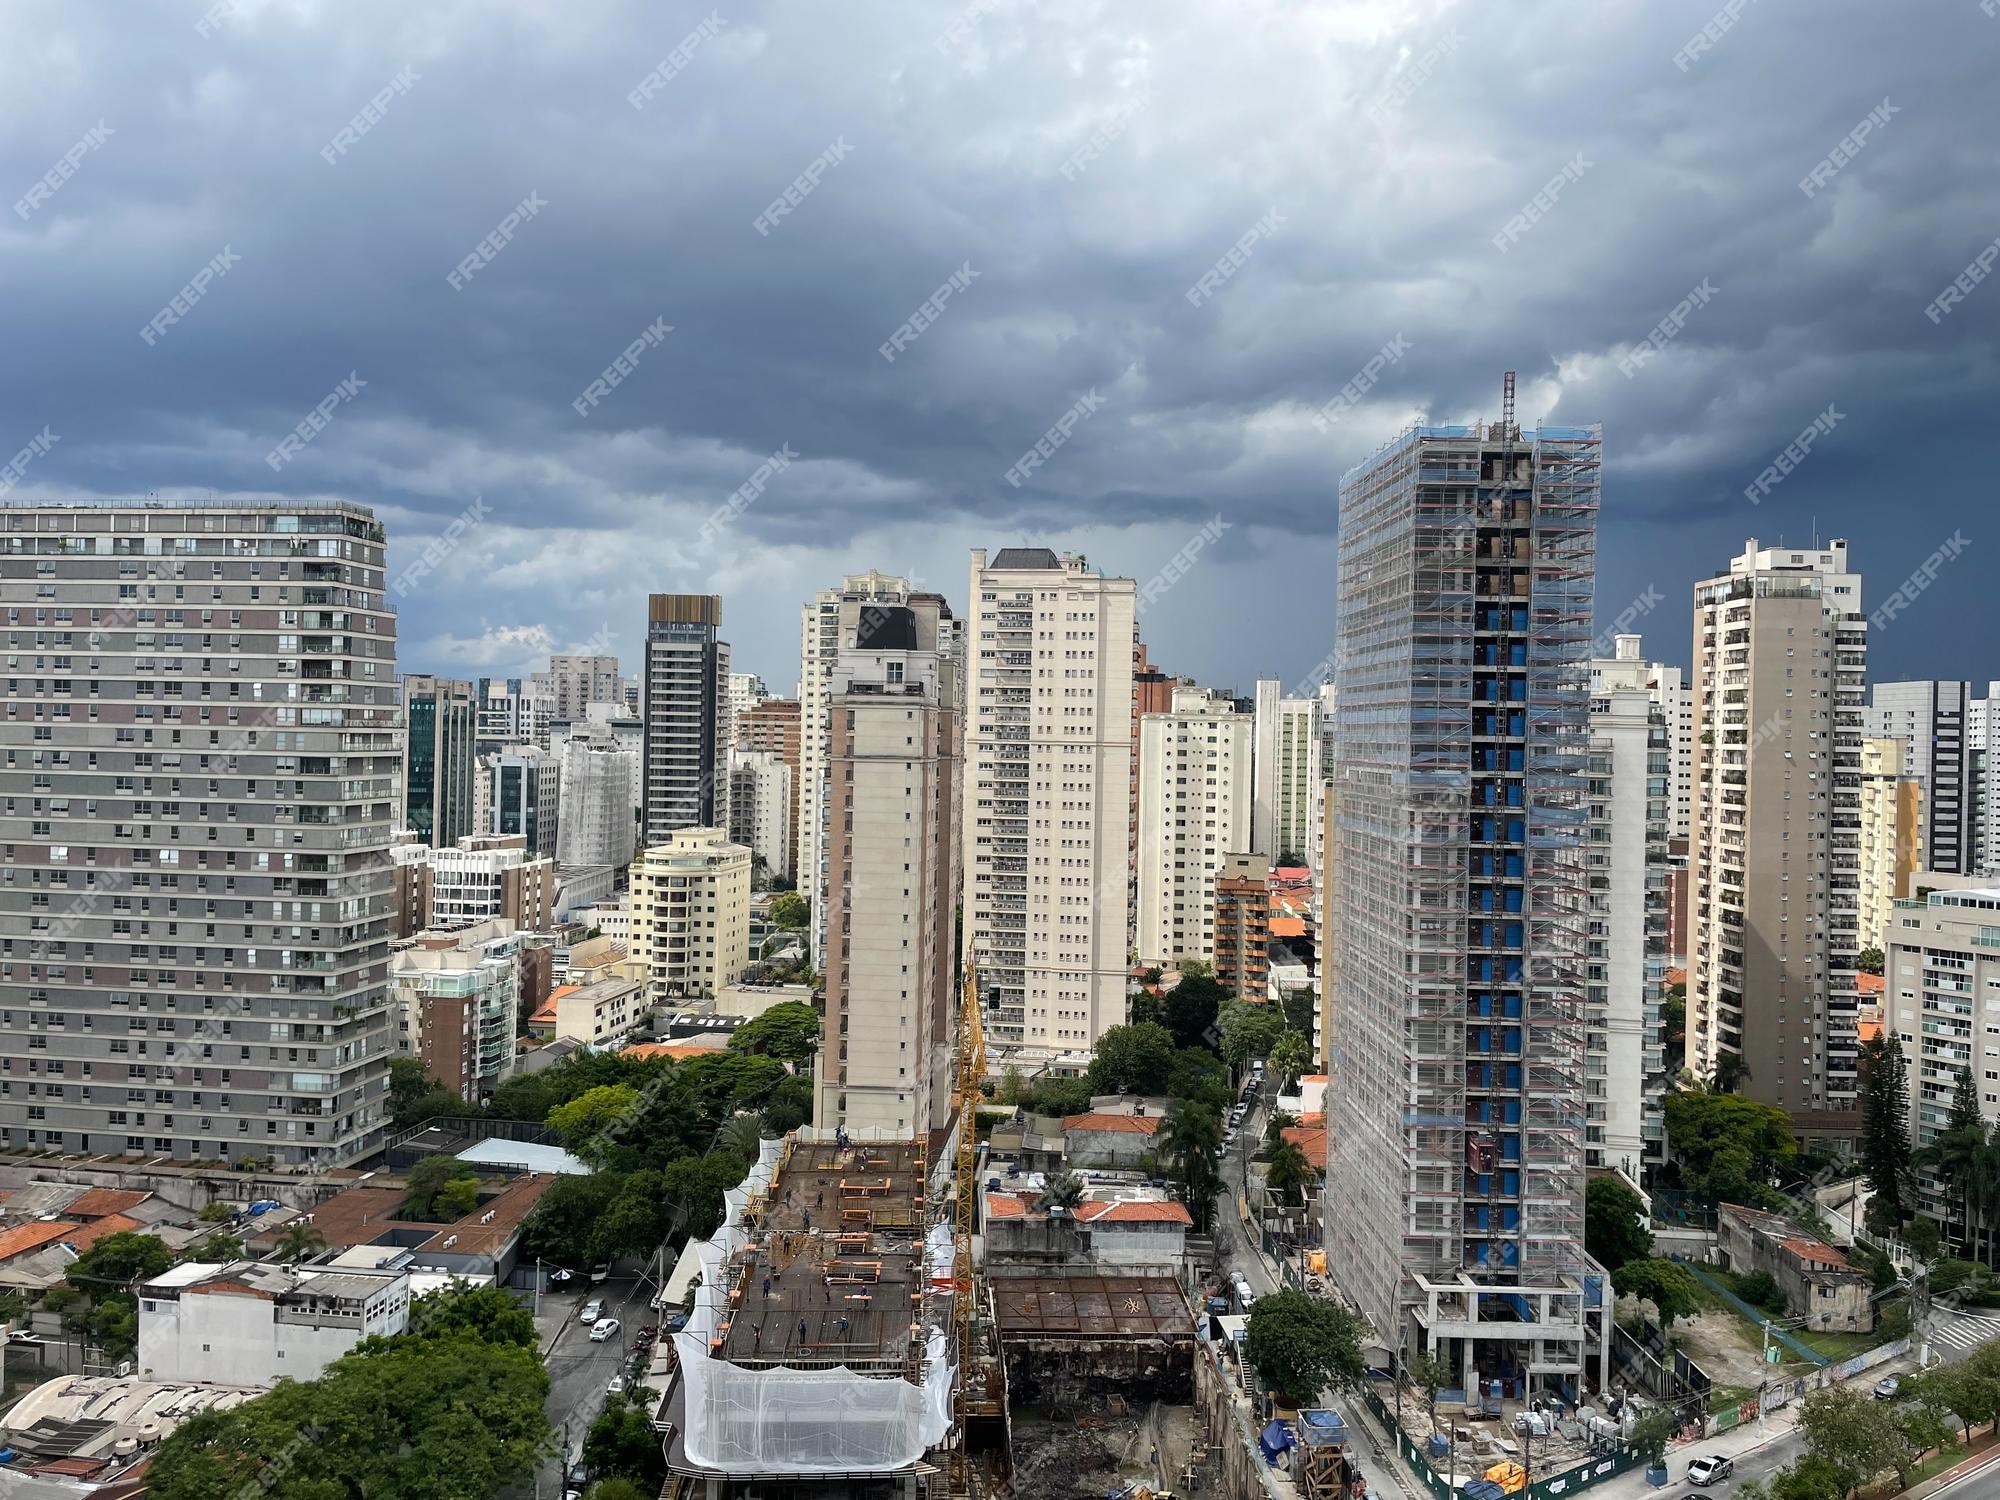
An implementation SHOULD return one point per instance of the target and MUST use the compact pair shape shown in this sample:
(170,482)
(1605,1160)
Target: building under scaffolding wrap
(1454,1204)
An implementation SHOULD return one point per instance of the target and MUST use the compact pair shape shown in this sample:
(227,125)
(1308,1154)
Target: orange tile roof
(1097,1211)
(25,1239)
(1676,976)
(99,1203)
(1005,1206)
(1311,1141)
(1816,1251)
(1316,1078)
(1868,984)
(1292,873)
(1868,1031)
(668,1049)
(1288,927)
(1316,1117)
(1129,1124)
(103,1228)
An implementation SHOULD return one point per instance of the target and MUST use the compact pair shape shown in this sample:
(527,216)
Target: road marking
(1968,1333)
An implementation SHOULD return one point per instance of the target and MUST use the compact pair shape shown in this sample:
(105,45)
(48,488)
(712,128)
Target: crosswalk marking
(1967,1333)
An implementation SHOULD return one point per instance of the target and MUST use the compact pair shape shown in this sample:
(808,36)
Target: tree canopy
(439,1414)
(788,1031)
(1667,1284)
(1248,1031)
(1291,1055)
(1302,1346)
(1885,1126)
(1615,1227)
(790,910)
(1727,1146)
(622,1444)
(1136,1059)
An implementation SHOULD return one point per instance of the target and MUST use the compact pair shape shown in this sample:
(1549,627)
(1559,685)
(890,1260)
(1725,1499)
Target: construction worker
(802,1330)
(767,1286)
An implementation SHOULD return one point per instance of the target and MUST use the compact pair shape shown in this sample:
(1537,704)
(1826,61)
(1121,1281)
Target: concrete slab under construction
(1091,1307)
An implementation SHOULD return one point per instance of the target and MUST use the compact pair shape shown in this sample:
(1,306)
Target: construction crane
(965,1192)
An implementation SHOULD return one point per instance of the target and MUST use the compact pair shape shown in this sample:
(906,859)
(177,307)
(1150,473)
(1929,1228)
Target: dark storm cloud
(1089,163)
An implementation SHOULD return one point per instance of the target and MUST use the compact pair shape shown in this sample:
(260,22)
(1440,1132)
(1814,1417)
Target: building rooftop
(1104,1121)
(1024,557)
(71,1427)
(1091,1307)
(1815,1253)
(24,1238)
(363,1216)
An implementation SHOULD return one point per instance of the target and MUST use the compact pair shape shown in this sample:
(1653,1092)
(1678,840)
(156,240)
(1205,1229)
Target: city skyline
(1074,201)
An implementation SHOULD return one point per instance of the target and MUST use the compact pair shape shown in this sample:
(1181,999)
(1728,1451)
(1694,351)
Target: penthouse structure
(1457,1106)
(201,729)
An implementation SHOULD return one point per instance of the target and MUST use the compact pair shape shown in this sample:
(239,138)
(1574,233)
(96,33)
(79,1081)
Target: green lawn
(1892,1321)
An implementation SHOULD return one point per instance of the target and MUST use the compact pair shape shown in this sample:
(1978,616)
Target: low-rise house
(250,1323)
(1819,1284)
(1029,1143)
(1143,1229)
(1101,1139)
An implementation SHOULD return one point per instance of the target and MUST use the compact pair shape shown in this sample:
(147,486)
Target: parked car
(1709,1468)
(1888,1388)
(677,1322)
(617,1386)
(602,1329)
(591,1311)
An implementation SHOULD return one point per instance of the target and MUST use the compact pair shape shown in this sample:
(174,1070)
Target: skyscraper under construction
(1459,939)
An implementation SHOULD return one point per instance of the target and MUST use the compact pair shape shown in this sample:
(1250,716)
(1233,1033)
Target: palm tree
(1064,1190)
(1190,1143)
(299,1239)
(1289,1169)
(743,1135)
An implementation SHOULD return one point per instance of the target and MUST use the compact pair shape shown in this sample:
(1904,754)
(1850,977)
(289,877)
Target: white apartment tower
(596,826)
(1630,818)
(1934,721)
(1048,789)
(760,807)
(819,650)
(200,781)
(690,912)
(1194,809)
(1287,774)
(1780,655)
(573,682)
(892,809)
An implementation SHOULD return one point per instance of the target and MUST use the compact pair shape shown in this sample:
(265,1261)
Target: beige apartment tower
(690,906)
(1892,834)
(892,809)
(1194,810)
(1048,787)
(1780,653)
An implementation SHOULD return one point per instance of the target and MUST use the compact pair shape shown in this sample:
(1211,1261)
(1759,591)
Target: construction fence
(1579,1477)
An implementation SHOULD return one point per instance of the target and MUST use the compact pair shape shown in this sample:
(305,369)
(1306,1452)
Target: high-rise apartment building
(1982,754)
(1780,652)
(200,730)
(690,913)
(1048,788)
(573,682)
(596,826)
(1243,926)
(1460,913)
(746,691)
(484,876)
(773,725)
(1194,809)
(892,809)
(820,635)
(1631,813)
(1893,836)
(509,714)
(440,725)
(1287,774)
(687,714)
(524,796)
(458,996)
(1934,721)
(760,807)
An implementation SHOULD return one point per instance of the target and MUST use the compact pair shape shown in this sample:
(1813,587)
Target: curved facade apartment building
(198,777)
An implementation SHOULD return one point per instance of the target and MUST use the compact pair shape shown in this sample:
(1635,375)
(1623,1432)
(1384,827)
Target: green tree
(789,1106)
(423,1183)
(456,1199)
(1968,1391)
(219,1244)
(1291,1055)
(1651,1433)
(1869,961)
(1190,1008)
(1428,1374)
(486,1313)
(415,1096)
(620,1488)
(582,1120)
(1615,1222)
(1667,1284)
(1059,1096)
(1885,1124)
(402,1418)
(1924,1238)
(1064,1190)
(1752,1141)
(621,1444)
(1132,1060)
(216,1212)
(1302,1346)
(1808,1478)
(1200,1077)
(1248,1031)
(296,1240)
(1009,1091)
(561,1231)
(118,1261)
(741,1135)
(788,1031)
(1289,1174)
(1844,1430)
(790,910)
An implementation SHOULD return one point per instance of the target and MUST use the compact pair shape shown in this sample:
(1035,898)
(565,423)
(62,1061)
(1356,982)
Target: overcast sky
(1373,148)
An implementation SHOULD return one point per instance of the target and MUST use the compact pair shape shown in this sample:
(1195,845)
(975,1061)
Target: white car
(1709,1468)
(602,1329)
(617,1386)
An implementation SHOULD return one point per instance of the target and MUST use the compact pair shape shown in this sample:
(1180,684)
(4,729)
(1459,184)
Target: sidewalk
(1965,1468)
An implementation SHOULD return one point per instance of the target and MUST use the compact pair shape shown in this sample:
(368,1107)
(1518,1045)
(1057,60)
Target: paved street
(1955,1335)
(579,1370)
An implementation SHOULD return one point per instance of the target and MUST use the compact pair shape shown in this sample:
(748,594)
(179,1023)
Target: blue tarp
(1274,1440)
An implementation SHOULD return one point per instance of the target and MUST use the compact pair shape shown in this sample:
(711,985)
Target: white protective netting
(782,1421)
